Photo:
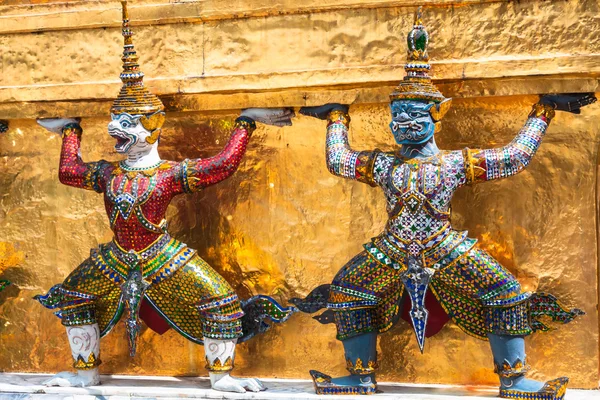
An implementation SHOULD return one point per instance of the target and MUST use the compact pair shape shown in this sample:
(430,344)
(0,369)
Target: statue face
(411,121)
(129,133)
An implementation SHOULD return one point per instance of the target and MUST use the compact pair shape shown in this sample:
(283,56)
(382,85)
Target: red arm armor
(200,173)
(72,171)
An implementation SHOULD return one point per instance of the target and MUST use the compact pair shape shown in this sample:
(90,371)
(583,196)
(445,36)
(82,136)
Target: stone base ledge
(117,387)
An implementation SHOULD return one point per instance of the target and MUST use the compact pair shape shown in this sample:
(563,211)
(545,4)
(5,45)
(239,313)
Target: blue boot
(509,364)
(361,361)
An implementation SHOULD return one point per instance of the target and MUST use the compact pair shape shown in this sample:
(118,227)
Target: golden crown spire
(134,98)
(417,84)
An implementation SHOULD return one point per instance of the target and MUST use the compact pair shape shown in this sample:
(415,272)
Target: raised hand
(321,112)
(55,125)
(270,116)
(570,102)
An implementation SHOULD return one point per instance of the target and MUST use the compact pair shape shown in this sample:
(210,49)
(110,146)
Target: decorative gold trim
(542,110)
(365,166)
(219,366)
(324,386)
(91,363)
(134,98)
(249,127)
(70,129)
(359,368)
(510,371)
(473,166)
(339,115)
(438,110)
(120,169)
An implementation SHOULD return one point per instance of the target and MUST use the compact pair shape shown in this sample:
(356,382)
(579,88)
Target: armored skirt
(476,292)
(192,297)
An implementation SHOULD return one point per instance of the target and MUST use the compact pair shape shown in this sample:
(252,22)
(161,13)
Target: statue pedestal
(29,386)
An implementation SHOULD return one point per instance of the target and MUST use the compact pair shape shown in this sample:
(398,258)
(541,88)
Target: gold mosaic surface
(296,53)
(283,225)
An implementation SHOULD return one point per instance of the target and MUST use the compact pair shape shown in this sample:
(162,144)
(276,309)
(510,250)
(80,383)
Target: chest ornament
(128,199)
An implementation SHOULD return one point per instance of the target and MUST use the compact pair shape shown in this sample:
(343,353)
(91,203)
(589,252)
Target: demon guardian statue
(419,250)
(143,267)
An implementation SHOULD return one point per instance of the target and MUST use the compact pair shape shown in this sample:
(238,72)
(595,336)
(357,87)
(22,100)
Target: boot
(509,364)
(361,361)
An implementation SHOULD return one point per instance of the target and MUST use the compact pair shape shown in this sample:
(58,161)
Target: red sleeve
(72,171)
(200,173)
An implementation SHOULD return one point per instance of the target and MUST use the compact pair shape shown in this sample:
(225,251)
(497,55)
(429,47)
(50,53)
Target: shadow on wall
(10,258)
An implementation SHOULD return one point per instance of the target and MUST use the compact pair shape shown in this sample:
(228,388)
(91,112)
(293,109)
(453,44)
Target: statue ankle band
(81,364)
(218,366)
(360,368)
(506,370)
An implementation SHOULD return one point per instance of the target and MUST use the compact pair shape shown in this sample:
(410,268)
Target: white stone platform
(120,387)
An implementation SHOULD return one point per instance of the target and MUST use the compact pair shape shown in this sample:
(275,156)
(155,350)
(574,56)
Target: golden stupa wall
(283,225)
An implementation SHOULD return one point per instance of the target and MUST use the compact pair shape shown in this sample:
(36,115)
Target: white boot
(85,348)
(220,355)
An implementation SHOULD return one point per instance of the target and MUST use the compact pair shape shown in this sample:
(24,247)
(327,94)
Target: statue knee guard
(222,317)
(508,315)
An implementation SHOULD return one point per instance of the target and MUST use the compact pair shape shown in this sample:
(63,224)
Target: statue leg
(363,299)
(509,351)
(510,365)
(361,360)
(360,352)
(84,341)
(220,356)
(79,297)
(485,300)
(207,311)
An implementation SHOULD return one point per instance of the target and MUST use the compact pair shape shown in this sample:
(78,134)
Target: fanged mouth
(410,126)
(122,140)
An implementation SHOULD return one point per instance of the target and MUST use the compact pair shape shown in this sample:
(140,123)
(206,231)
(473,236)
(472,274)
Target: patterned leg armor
(361,361)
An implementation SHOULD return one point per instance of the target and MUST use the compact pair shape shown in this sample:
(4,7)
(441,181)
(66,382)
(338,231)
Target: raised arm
(72,171)
(200,173)
(203,172)
(341,159)
(502,162)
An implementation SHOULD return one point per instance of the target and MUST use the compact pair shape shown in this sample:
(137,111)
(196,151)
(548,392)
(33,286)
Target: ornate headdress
(134,98)
(417,83)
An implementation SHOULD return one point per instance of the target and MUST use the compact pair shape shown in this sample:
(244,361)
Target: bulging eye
(125,124)
(414,114)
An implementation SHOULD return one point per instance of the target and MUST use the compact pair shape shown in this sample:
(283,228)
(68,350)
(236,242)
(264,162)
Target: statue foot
(80,379)
(227,383)
(353,384)
(554,389)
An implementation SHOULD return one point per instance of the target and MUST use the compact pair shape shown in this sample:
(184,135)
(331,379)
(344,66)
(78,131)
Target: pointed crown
(134,98)
(417,83)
